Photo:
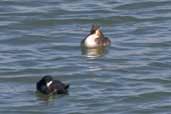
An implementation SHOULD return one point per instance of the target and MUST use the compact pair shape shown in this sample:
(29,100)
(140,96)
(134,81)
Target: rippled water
(39,37)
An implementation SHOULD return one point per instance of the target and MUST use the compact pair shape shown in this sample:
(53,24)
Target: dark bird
(47,85)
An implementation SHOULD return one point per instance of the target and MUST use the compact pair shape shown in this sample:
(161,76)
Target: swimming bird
(95,38)
(47,85)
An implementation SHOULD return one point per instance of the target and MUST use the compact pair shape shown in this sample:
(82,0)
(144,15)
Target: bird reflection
(46,98)
(93,52)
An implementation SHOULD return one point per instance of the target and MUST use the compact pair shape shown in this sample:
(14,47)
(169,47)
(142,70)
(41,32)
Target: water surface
(39,37)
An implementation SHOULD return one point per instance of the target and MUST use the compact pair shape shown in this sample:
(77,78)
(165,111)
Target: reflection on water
(94,52)
(47,98)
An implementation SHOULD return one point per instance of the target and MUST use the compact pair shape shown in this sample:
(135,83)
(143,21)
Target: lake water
(40,37)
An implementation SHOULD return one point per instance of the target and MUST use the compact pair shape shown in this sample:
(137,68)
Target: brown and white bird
(95,38)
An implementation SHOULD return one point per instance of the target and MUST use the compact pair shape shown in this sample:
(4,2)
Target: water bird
(95,38)
(47,85)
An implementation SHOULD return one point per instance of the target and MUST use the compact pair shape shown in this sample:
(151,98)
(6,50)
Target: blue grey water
(40,37)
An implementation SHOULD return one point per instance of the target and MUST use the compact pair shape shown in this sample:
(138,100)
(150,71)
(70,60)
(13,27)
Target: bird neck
(99,33)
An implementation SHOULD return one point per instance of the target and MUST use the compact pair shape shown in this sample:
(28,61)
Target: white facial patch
(49,83)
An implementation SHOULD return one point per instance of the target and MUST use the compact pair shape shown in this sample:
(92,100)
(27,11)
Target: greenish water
(39,37)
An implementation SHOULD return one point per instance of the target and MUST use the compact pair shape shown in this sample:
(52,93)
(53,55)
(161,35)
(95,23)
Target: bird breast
(91,41)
